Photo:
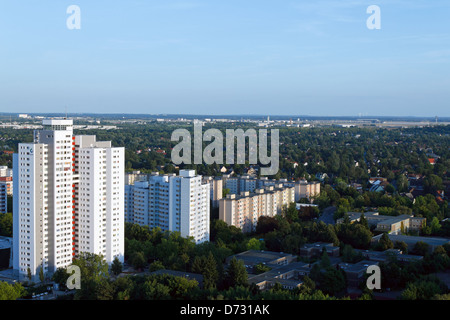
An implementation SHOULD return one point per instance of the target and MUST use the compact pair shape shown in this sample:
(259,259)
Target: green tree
(156,291)
(156,265)
(236,274)
(333,281)
(438,261)
(138,260)
(350,255)
(402,246)
(225,191)
(11,291)
(94,271)
(60,276)
(325,261)
(261,268)
(41,274)
(435,226)
(402,183)
(424,288)
(363,221)
(6,223)
(421,248)
(166,287)
(254,244)
(389,188)
(432,183)
(207,266)
(92,266)
(116,266)
(124,288)
(354,234)
(104,290)
(266,224)
(308,286)
(385,243)
(292,212)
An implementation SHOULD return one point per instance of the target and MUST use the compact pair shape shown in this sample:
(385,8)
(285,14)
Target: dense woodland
(347,156)
(331,150)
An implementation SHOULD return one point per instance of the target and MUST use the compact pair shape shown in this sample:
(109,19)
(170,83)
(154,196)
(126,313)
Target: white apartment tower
(172,203)
(194,205)
(99,202)
(31,222)
(47,199)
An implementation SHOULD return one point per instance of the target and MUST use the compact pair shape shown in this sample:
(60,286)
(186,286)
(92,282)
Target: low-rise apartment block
(244,210)
(302,188)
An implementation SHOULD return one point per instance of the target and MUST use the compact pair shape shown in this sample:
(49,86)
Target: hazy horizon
(231,116)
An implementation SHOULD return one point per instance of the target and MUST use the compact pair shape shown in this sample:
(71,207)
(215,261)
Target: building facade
(303,189)
(215,188)
(55,192)
(5,171)
(99,202)
(6,187)
(173,203)
(244,210)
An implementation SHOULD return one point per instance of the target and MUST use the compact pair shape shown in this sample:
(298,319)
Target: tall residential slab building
(99,203)
(47,222)
(173,203)
(6,187)
(216,189)
(5,171)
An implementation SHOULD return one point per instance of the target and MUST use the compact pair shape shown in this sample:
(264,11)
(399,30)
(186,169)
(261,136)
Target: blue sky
(226,57)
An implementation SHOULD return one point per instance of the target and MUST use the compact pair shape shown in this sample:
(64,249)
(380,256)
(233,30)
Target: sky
(218,57)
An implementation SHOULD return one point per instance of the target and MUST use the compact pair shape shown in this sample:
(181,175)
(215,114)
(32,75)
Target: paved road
(327,215)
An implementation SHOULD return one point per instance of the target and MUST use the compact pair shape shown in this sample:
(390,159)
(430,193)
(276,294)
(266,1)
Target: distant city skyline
(226,58)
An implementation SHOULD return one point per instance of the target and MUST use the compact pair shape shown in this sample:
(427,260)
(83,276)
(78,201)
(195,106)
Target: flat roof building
(389,224)
(311,250)
(355,272)
(411,241)
(283,268)
(387,255)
